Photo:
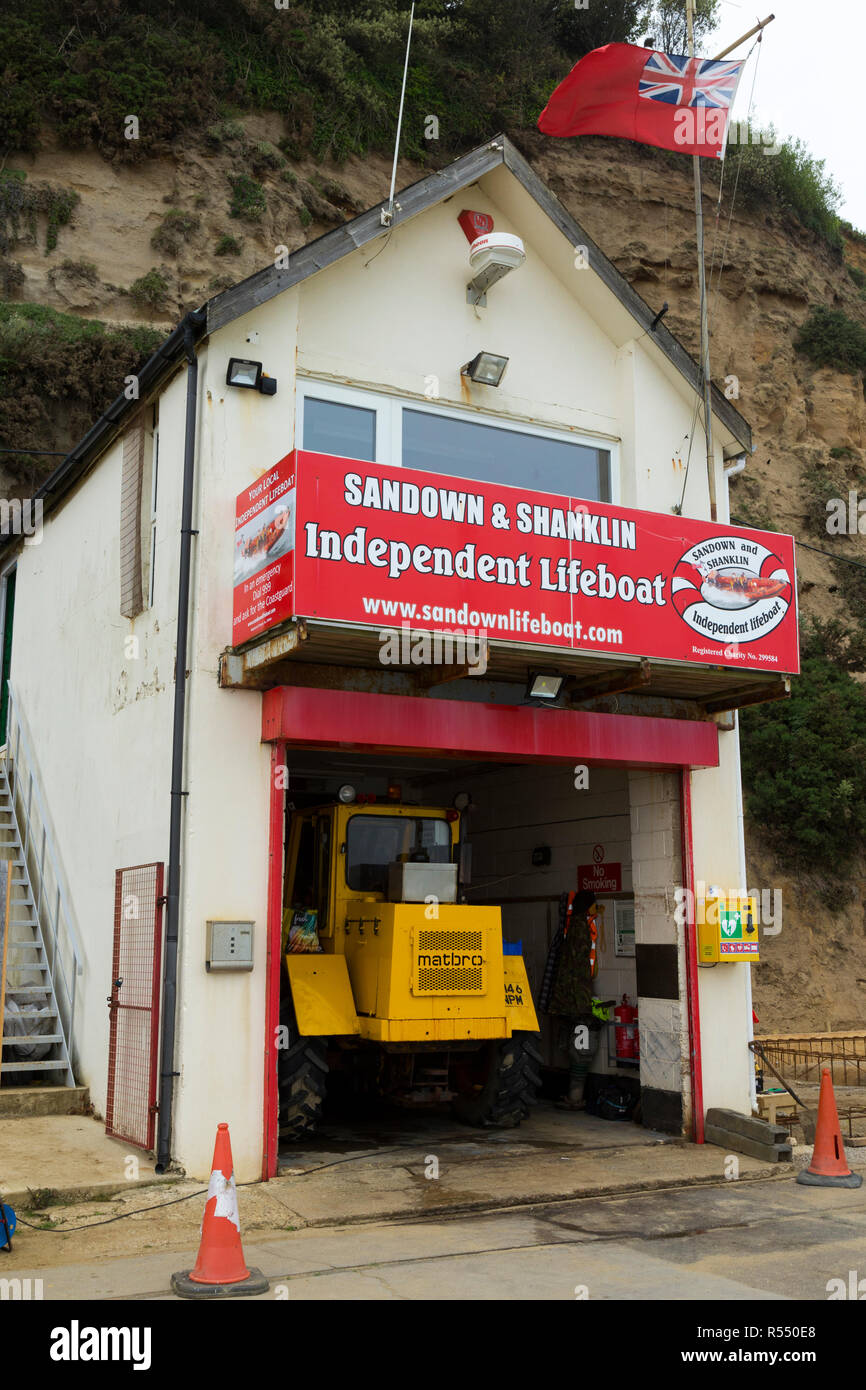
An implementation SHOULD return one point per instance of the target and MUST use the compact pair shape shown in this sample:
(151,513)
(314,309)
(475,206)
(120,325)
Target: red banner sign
(394,547)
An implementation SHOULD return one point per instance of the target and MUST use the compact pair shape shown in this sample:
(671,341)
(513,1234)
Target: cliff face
(124,225)
(149,240)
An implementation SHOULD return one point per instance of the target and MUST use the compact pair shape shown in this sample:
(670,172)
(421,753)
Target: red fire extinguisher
(624,1015)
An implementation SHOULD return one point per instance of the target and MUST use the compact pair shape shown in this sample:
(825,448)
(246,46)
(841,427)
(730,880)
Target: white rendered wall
(722,989)
(100,719)
(221,1018)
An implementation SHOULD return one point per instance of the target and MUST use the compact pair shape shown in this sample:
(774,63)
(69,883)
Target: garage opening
(516,842)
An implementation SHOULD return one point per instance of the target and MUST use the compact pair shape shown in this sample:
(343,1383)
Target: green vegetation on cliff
(21,203)
(331,67)
(54,366)
(781,176)
(804,759)
(830,338)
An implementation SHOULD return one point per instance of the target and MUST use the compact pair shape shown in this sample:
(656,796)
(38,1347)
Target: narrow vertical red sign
(264,560)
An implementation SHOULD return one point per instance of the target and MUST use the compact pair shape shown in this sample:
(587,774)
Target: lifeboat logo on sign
(732,590)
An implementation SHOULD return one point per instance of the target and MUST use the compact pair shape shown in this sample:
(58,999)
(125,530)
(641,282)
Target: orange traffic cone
(829,1166)
(220,1270)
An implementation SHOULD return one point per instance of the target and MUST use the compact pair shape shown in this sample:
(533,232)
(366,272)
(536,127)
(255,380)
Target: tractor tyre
(506,1083)
(302,1073)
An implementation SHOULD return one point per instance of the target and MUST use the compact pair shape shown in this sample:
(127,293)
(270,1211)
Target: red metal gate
(133,1005)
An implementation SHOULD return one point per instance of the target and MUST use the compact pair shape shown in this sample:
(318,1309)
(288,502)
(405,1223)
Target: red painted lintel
(362,721)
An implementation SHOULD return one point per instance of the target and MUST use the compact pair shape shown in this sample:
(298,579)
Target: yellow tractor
(393,985)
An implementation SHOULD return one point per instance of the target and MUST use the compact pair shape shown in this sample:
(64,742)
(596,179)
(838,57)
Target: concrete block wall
(654,799)
(517,808)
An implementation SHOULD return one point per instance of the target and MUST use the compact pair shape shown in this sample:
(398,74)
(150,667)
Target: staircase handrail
(18,744)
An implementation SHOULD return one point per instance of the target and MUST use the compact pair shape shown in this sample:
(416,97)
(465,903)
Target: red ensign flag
(632,93)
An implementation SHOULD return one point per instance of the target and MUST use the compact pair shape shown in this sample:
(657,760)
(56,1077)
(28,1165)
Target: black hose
(553,957)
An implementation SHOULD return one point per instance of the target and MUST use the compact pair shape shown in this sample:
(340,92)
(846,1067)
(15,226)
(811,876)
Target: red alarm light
(475,224)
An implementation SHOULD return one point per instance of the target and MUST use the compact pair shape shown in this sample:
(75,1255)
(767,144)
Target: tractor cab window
(374,842)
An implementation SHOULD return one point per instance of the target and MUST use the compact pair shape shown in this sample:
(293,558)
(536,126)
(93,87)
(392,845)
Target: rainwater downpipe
(693,1002)
(172,900)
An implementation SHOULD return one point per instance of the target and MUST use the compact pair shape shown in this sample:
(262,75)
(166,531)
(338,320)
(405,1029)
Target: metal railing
(802,1056)
(47,883)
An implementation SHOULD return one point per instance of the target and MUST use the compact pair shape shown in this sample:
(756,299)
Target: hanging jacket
(571,994)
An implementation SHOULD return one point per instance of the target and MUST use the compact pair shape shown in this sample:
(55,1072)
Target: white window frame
(389,423)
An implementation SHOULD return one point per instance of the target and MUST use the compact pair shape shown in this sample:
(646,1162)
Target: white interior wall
(517,808)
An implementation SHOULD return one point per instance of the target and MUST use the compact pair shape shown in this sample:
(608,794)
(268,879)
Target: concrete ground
(49,1159)
(411,1206)
(746,1241)
(360,1169)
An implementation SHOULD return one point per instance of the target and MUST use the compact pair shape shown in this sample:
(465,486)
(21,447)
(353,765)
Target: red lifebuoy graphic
(731,589)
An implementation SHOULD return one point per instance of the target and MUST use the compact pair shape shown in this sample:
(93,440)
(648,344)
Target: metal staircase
(42,955)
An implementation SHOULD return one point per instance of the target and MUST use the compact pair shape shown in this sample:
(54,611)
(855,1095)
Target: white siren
(493,255)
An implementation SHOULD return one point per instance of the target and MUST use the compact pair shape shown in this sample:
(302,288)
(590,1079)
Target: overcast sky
(810,81)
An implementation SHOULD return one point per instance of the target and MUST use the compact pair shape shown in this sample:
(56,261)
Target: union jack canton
(681,81)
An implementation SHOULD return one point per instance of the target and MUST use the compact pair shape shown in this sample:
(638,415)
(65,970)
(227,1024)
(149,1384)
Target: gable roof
(333,246)
(326,250)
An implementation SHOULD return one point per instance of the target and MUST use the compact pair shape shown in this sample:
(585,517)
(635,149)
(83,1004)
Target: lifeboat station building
(391,524)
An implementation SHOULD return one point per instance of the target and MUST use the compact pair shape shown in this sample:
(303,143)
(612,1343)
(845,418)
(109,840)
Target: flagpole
(742,39)
(702,283)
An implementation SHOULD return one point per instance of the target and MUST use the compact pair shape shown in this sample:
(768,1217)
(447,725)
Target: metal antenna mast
(387,214)
(702,282)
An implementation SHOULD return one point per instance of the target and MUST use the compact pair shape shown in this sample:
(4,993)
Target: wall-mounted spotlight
(486,368)
(243,372)
(545,686)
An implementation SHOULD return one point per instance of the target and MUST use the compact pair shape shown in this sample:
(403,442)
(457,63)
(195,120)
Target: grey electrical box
(414,883)
(229,946)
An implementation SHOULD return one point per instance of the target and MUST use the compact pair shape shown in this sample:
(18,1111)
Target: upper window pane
(489,454)
(333,428)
